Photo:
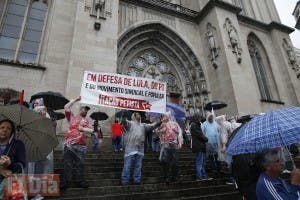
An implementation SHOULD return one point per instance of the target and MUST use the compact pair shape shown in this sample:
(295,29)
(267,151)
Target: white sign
(123,92)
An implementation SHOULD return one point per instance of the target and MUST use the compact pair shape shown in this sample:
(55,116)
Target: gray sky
(285,9)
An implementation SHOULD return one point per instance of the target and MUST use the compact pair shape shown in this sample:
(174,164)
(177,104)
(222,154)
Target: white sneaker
(38,197)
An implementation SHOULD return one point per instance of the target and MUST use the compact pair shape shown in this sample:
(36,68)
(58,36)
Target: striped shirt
(268,188)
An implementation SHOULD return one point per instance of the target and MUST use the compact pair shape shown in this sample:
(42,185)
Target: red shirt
(74,136)
(116,129)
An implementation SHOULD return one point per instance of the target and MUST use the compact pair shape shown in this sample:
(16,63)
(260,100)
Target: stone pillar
(94,50)
(221,84)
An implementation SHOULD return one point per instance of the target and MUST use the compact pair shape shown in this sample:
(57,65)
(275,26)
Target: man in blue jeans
(134,139)
(211,130)
(198,147)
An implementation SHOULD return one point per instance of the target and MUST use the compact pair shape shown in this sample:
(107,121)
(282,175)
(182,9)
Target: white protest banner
(123,92)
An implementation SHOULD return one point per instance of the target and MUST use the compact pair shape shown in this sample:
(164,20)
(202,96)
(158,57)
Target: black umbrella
(128,114)
(58,115)
(203,119)
(216,105)
(52,100)
(100,116)
(245,118)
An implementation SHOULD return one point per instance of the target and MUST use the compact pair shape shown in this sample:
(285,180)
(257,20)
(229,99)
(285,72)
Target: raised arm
(151,127)
(85,129)
(71,103)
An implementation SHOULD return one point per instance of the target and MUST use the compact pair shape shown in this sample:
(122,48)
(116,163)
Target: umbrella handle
(292,159)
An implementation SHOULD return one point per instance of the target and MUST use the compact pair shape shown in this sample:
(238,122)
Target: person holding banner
(75,144)
(134,139)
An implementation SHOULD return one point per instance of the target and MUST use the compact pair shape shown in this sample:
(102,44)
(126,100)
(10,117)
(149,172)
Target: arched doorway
(155,51)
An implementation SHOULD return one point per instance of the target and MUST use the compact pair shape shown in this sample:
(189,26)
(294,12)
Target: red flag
(22,97)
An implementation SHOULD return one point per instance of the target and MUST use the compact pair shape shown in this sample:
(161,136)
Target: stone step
(141,188)
(120,164)
(137,193)
(103,172)
(99,175)
(121,155)
(222,196)
(115,163)
(120,159)
(146,172)
(97,182)
(111,151)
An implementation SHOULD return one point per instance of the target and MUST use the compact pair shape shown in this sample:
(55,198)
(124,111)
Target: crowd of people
(158,134)
(209,141)
(255,175)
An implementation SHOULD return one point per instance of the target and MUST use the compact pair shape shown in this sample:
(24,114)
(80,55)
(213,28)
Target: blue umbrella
(178,111)
(278,128)
(153,114)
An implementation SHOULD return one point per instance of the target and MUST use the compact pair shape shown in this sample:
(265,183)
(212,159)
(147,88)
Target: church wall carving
(234,39)
(147,49)
(291,55)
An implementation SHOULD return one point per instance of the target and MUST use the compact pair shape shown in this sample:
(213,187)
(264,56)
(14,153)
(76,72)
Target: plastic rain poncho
(134,135)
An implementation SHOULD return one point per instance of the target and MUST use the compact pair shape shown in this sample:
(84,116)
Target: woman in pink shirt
(169,133)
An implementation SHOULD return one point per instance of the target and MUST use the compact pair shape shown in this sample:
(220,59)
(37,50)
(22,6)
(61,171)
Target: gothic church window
(21,30)
(150,64)
(262,69)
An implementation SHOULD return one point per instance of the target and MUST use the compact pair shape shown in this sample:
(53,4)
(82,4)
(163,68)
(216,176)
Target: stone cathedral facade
(236,51)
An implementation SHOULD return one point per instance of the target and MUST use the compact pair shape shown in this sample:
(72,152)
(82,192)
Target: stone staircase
(103,171)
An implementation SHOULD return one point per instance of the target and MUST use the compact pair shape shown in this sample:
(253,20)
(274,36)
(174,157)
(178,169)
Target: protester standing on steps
(155,141)
(211,130)
(42,166)
(75,145)
(148,136)
(116,131)
(199,146)
(134,139)
(96,136)
(169,133)
(224,133)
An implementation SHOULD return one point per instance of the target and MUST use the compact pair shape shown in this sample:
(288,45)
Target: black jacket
(198,138)
(15,150)
(246,173)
